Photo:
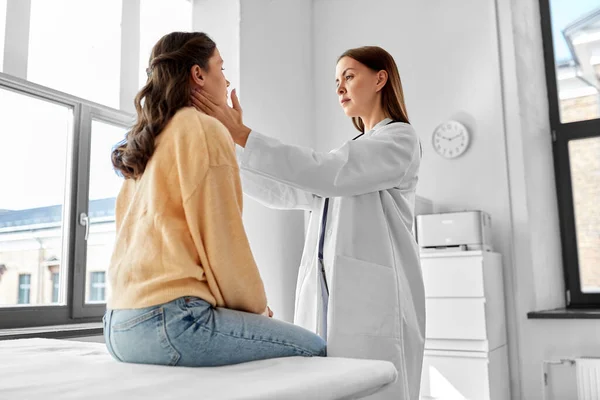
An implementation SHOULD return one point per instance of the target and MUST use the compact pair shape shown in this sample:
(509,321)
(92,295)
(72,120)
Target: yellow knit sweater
(179,226)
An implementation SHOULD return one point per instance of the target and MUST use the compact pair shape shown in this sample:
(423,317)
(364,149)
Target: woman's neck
(373,118)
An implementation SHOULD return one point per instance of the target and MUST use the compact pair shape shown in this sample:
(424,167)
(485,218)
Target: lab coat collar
(380,124)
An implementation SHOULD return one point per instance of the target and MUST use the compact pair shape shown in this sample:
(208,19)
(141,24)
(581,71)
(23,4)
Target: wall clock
(450,139)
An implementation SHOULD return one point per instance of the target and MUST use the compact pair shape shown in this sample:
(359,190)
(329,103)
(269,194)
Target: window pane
(585,176)
(55,287)
(157,18)
(97,287)
(2,32)
(576,36)
(31,212)
(75,47)
(24,289)
(104,187)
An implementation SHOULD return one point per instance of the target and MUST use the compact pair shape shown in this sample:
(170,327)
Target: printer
(463,230)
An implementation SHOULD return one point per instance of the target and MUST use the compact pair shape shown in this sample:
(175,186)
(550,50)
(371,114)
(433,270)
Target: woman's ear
(197,76)
(382,77)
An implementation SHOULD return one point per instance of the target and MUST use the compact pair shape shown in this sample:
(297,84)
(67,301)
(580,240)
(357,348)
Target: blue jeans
(190,332)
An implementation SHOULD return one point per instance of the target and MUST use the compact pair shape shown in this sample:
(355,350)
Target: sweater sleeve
(214,214)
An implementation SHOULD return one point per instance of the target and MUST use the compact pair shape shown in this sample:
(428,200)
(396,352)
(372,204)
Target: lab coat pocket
(364,298)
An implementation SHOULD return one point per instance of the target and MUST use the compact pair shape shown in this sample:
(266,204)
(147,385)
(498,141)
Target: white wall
(130,55)
(221,21)
(448,57)
(16,45)
(276,94)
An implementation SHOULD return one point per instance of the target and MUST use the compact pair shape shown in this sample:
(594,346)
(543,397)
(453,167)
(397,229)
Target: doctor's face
(356,87)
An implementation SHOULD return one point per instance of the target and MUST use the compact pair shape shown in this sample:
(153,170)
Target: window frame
(89,112)
(75,310)
(562,134)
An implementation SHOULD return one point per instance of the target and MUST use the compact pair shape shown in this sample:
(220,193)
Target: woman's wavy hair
(392,98)
(166,91)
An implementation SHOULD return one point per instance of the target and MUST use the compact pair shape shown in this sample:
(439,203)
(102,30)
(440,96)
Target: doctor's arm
(272,193)
(367,165)
(373,163)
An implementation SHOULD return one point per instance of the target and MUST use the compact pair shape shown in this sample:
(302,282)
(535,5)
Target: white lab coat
(376,304)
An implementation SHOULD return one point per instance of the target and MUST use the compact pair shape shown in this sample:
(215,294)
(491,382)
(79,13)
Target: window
(157,18)
(571,33)
(55,287)
(576,45)
(97,286)
(24,289)
(61,195)
(57,204)
(75,47)
(33,195)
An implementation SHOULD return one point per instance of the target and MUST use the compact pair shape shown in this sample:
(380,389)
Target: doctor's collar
(380,124)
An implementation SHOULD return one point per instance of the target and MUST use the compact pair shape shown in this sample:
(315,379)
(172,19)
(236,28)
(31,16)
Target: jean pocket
(142,337)
(136,319)
(190,302)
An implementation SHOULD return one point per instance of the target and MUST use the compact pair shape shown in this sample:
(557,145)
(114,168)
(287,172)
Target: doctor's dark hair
(166,91)
(392,96)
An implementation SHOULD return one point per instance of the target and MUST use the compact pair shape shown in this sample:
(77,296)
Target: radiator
(588,378)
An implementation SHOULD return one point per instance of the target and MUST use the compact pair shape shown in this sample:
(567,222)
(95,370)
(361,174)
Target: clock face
(450,139)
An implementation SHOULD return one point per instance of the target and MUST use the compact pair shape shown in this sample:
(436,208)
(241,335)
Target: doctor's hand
(231,117)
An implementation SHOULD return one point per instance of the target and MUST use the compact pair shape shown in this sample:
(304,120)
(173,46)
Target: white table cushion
(59,369)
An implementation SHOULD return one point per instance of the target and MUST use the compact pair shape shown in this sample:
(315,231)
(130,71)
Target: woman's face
(357,87)
(214,81)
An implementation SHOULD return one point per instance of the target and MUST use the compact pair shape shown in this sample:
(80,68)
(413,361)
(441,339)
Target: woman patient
(185,287)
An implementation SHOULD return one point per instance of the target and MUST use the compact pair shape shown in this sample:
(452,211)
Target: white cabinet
(465,338)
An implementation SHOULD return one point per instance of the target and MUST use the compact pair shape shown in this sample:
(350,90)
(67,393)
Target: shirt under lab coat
(376,305)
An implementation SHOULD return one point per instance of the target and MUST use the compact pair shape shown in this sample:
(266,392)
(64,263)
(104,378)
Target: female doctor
(360,284)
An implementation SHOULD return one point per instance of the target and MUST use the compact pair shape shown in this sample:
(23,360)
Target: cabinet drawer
(453,276)
(456,319)
(465,375)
